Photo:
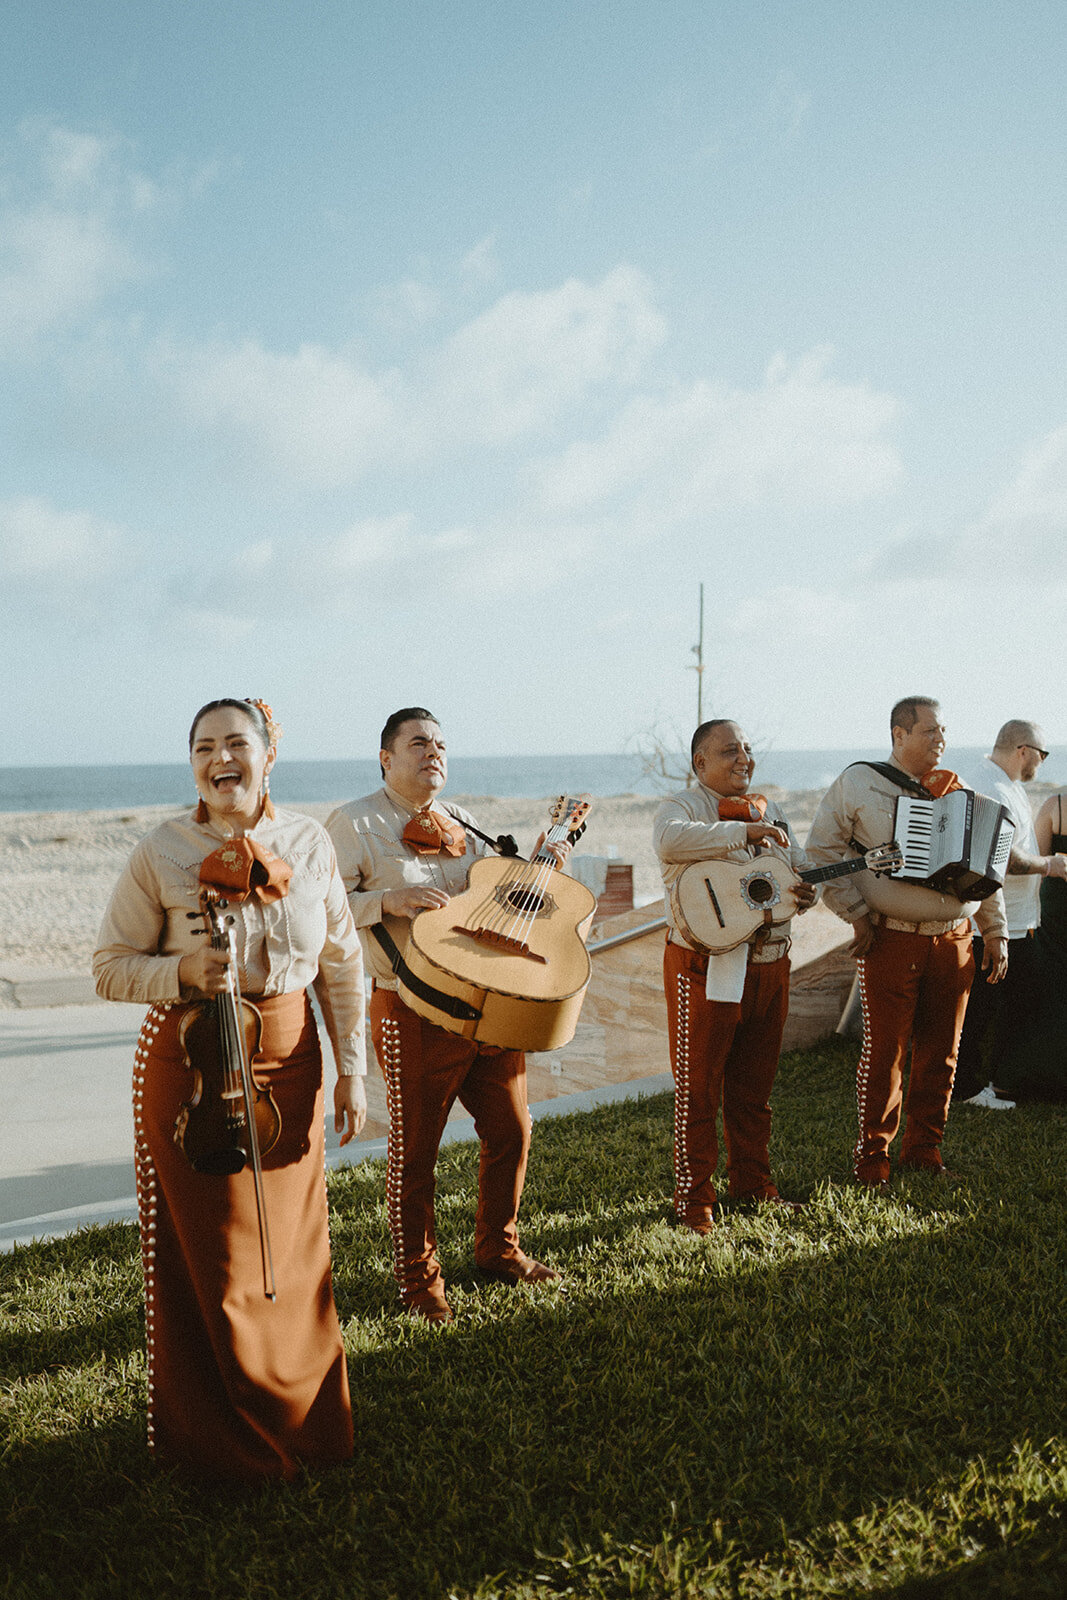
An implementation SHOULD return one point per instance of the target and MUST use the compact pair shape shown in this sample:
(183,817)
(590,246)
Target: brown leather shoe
(699,1221)
(519,1269)
(873,1174)
(429,1306)
(873,1185)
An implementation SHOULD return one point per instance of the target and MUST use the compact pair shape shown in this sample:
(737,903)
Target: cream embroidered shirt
(307,938)
(373,859)
(687,829)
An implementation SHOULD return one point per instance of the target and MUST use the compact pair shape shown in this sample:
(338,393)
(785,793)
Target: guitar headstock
(885,857)
(570,812)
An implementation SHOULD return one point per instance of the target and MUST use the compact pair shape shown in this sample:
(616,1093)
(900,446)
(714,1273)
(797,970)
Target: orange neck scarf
(743,808)
(940,781)
(429,835)
(243,866)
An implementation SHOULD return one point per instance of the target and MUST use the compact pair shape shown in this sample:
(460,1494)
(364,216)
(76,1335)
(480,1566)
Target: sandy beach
(58,868)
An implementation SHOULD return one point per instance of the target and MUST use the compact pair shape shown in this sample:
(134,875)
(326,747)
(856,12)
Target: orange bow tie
(429,835)
(242,867)
(940,781)
(745,808)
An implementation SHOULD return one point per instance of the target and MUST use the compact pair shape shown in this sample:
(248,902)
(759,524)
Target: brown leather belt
(773,950)
(929,930)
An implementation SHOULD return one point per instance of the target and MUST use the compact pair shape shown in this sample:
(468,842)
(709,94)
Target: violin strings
(266,1256)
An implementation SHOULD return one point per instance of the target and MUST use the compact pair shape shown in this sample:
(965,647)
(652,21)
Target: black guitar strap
(504,844)
(450,1004)
(903,780)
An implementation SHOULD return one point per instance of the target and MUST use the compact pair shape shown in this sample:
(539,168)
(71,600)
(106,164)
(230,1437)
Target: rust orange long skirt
(238,1386)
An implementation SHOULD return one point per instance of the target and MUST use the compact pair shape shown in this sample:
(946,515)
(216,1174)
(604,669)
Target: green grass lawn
(867,1399)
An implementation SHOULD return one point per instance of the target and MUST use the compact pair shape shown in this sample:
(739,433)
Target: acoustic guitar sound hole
(760,890)
(525,900)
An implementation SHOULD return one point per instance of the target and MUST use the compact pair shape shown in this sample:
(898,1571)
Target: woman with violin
(222,919)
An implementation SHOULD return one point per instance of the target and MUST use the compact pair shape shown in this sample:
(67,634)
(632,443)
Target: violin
(230,1120)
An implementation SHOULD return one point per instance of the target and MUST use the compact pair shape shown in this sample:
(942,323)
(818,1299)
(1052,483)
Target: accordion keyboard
(915,836)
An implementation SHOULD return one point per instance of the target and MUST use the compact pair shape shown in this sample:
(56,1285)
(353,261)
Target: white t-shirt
(1022,891)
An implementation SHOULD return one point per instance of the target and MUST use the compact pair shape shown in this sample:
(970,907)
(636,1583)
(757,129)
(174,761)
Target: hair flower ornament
(274,729)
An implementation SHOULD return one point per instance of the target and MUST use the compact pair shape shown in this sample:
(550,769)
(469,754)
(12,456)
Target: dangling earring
(201,814)
(268,803)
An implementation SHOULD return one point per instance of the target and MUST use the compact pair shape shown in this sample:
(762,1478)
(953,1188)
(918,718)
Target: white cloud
(311,574)
(481,264)
(63,230)
(56,265)
(805,616)
(229,623)
(367,543)
(514,369)
(803,439)
(1039,490)
(41,543)
(1020,537)
(407,305)
(314,415)
(322,418)
(70,160)
(788,106)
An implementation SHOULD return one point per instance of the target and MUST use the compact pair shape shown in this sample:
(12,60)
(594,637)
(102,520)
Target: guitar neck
(839,869)
(557,834)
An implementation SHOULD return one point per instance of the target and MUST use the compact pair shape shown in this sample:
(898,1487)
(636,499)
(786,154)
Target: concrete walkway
(66,1137)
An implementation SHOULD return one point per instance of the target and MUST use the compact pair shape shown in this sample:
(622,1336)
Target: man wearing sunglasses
(994,1011)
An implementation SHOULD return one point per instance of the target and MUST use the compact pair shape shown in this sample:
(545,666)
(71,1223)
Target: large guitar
(510,949)
(718,905)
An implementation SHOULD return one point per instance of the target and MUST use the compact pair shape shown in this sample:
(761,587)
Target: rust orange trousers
(426,1069)
(914,988)
(722,1054)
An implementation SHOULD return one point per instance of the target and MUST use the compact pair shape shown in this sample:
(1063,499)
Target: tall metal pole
(698,651)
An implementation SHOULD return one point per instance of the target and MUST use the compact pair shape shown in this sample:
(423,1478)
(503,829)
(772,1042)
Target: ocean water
(115,788)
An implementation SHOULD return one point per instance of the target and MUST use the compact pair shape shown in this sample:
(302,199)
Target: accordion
(959,844)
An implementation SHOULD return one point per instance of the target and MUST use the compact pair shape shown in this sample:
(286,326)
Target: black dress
(1033,1066)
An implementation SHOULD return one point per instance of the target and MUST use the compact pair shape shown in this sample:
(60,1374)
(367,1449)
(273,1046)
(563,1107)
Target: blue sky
(364,354)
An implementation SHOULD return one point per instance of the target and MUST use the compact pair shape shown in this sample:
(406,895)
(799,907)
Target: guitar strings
(510,910)
(530,896)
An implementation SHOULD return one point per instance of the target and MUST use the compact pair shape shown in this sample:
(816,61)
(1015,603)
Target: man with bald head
(725,1013)
(994,1012)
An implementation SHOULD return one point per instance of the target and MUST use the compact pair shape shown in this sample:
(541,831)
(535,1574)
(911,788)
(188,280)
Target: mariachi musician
(241,1385)
(725,1013)
(913,948)
(400,852)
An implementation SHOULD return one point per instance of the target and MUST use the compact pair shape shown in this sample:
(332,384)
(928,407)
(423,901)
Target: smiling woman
(247,1375)
(232,748)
